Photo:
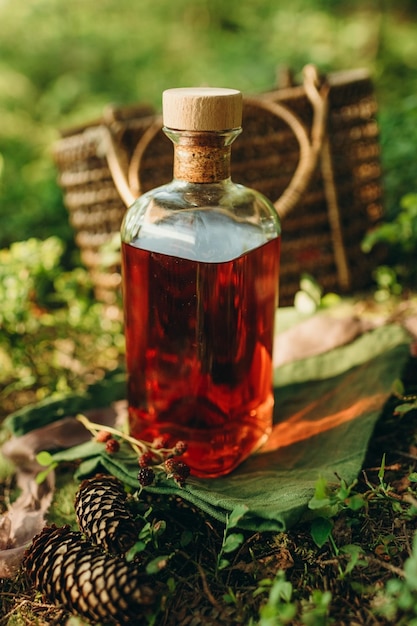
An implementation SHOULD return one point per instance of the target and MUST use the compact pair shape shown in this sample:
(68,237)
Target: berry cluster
(152,457)
(160,455)
(178,470)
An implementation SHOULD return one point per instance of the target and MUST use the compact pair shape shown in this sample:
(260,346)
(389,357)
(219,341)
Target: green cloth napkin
(325,410)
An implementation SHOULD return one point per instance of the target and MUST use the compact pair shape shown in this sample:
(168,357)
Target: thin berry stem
(138,446)
(161,458)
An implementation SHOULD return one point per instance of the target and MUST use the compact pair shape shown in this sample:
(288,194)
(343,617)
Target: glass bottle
(200,266)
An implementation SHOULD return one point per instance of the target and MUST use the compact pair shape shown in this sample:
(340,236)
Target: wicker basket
(315,153)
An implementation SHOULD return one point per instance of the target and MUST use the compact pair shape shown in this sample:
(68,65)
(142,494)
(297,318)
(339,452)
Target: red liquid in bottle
(199,338)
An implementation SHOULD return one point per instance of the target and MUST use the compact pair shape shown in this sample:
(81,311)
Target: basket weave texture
(322,233)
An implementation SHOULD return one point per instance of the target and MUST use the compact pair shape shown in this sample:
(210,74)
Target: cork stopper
(202,109)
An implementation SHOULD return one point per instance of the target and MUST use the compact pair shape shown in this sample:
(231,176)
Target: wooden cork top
(202,109)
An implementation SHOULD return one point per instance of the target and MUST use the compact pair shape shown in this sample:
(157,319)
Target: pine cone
(102,514)
(71,572)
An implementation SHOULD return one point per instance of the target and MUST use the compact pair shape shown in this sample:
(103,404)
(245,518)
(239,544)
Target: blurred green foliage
(54,336)
(400,236)
(61,63)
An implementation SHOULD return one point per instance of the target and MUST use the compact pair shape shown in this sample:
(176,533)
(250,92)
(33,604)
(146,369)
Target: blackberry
(146,459)
(146,476)
(180,448)
(112,446)
(178,470)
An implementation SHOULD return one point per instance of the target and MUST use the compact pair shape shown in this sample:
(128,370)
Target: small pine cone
(71,572)
(102,514)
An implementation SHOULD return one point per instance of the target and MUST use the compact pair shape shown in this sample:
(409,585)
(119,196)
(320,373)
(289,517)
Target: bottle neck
(202,157)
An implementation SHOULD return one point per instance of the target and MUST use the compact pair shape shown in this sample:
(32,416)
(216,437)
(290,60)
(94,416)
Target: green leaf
(82,451)
(281,590)
(44,458)
(159,527)
(321,488)
(398,388)
(355,552)
(321,529)
(145,532)
(232,542)
(310,286)
(329,300)
(381,472)
(186,538)
(344,490)
(355,502)
(317,505)
(236,515)
(223,563)
(321,498)
(157,564)
(402,409)
(138,547)
(413,477)
(87,467)
(41,476)
(229,598)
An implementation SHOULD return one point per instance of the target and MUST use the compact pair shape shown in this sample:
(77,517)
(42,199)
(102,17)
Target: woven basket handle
(310,147)
(126,176)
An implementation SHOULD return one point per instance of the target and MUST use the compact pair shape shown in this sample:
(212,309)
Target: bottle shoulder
(192,220)
(179,195)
